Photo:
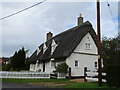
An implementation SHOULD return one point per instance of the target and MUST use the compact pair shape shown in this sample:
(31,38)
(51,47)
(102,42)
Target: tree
(18,60)
(62,68)
(111,60)
(14,61)
(111,51)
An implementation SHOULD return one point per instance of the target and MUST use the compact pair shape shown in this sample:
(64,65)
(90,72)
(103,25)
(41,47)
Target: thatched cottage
(76,46)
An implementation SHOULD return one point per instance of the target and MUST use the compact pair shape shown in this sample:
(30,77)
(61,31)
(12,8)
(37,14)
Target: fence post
(69,72)
(85,74)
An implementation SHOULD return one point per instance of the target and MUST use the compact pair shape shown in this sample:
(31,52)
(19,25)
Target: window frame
(52,62)
(77,63)
(53,46)
(96,64)
(87,46)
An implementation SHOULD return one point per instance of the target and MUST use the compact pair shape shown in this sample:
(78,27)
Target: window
(76,63)
(33,66)
(88,45)
(95,64)
(88,38)
(53,46)
(53,64)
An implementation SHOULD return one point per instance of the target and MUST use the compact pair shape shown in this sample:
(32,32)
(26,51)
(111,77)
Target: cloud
(29,28)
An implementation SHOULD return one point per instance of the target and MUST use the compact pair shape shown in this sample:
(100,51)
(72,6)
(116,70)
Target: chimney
(49,36)
(80,20)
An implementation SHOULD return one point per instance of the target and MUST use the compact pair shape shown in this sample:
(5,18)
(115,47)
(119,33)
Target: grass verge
(57,83)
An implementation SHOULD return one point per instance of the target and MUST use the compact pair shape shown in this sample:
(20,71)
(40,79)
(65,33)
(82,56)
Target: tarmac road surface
(20,85)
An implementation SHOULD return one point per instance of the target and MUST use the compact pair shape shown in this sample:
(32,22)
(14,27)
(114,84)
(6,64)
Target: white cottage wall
(85,57)
(36,67)
(32,67)
(49,68)
(82,45)
(40,67)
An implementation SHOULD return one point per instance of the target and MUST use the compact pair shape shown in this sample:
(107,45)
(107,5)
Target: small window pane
(53,63)
(88,45)
(95,64)
(76,63)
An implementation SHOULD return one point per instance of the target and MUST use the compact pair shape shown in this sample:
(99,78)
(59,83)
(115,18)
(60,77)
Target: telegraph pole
(99,44)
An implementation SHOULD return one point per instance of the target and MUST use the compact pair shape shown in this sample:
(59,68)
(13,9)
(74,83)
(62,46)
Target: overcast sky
(29,28)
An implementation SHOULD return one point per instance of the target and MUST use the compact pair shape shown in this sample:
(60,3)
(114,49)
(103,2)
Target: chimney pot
(80,20)
(49,36)
(80,15)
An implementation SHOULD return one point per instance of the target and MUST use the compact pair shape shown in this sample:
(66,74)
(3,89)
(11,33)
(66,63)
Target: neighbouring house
(5,60)
(76,46)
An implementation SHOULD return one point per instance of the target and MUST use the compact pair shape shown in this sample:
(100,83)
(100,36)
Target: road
(20,85)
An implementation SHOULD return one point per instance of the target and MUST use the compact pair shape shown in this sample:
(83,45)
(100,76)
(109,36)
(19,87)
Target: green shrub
(113,76)
(6,67)
(62,68)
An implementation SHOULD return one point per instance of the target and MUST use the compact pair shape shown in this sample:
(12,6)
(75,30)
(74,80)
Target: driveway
(20,85)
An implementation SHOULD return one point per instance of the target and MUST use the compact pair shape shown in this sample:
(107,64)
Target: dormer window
(88,45)
(38,50)
(53,46)
(44,48)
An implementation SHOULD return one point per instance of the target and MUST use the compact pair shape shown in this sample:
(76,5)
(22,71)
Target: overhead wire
(111,14)
(22,10)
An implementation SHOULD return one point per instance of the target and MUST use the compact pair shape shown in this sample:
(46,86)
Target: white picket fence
(93,76)
(61,76)
(24,75)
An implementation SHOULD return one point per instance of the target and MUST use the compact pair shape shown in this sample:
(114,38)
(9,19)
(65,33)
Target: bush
(62,68)
(113,76)
(6,67)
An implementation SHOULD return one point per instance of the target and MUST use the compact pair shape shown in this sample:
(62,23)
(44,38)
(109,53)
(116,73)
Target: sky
(28,29)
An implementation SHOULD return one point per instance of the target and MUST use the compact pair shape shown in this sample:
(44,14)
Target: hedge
(113,76)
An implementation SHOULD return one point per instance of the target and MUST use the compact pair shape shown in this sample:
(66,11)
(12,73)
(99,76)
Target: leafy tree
(111,60)
(62,68)
(111,51)
(18,60)
(14,61)
(27,64)
(6,67)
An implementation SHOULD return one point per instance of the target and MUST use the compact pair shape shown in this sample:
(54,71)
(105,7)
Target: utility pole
(99,44)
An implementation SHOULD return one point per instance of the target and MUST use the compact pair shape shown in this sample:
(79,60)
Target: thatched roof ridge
(67,42)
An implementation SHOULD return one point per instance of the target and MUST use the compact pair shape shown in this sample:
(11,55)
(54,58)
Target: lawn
(58,83)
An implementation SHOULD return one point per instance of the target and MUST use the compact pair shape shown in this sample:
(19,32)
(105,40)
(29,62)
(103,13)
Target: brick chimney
(80,20)
(49,36)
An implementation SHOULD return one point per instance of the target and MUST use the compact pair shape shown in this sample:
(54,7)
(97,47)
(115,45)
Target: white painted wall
(36,67)
(32,67)
(48,67)
(82,48)
(84,59)
(39,67)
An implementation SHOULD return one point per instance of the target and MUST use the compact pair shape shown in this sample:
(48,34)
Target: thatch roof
(67,42)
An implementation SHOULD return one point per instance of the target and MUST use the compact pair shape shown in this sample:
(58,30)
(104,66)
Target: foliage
(113,75)
(62,68)
(111,56)
(6,67)
(111,51)
(27,64)
(19,61)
